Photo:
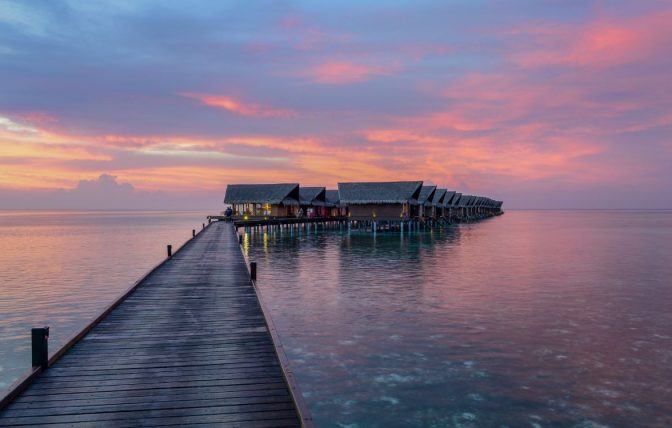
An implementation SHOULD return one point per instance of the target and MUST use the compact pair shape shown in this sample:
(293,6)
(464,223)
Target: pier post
(193,233)
(253,271)
(40,347)
(170,250)
(240,239)
(203,225)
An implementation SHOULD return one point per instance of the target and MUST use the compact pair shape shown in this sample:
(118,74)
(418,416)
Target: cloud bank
(105,193)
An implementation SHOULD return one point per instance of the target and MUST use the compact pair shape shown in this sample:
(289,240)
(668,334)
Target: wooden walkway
(189,346)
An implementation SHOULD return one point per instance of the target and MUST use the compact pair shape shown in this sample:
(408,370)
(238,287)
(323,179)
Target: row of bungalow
(361,201)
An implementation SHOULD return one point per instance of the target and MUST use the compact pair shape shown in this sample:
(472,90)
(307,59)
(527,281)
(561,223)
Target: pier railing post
(40,347)
(253,271)
(169,248)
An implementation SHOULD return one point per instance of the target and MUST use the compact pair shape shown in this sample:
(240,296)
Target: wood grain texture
(189,346)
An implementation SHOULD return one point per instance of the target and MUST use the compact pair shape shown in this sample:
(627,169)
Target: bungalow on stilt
(263,200)
(424,202)
(437,203)
(313,201)
(373,202)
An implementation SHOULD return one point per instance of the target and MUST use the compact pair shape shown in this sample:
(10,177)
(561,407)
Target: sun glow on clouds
(343,72)
(239,107)
(526,101)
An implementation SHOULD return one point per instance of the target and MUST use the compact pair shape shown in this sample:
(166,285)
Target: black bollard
(253,271)
(40,345)
(240,239)
(193,233)
(203,225)
(170,250)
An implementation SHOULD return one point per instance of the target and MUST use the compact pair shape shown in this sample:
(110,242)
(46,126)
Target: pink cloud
(600,43)
(239,107)
(344,72)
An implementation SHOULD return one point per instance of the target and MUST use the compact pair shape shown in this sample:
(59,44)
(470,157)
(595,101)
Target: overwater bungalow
(424,201)
(437,203)
(472,206)
(376,201)
(448,204)
(463,206)
(263,200)
(333,203)
(455,209)
(313,201)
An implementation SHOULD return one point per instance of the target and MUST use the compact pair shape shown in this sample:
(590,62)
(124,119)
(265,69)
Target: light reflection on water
(62,268)
(557,318)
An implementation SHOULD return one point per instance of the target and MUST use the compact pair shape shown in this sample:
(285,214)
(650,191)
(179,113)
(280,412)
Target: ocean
(534,318)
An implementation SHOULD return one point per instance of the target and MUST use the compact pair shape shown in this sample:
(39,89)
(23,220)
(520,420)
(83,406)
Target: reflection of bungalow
(437,203)
(379,200)
(312,201)
(334,206)
(263,200)
(424,201)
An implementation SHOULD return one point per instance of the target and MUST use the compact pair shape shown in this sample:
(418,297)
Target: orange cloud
(239,107)
(343,72)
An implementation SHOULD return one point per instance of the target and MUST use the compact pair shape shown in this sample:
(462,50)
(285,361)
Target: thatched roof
(388,192)
(331,197)
(426,194)
(312,196)
(280,193)
(465,200)
(439,197)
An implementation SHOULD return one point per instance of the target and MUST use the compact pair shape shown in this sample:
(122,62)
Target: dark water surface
(62,269)
(532,319)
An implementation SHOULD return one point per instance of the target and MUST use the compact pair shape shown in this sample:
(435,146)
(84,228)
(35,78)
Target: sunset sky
(544,104)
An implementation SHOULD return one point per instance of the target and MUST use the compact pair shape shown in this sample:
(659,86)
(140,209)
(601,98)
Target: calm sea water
(62,269)
(532,319)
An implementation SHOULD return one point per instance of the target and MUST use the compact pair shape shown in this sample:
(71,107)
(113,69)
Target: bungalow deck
(190,345)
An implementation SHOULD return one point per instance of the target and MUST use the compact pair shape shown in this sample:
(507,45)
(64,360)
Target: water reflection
(553,319)
(62,268)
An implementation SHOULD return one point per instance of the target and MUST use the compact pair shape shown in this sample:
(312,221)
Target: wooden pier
(190,344)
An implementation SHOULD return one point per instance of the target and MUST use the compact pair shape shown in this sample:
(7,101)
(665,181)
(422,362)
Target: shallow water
(538,319)
(62,269)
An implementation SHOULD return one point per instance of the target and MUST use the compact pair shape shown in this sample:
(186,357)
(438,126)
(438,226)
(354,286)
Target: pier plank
(189,347)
